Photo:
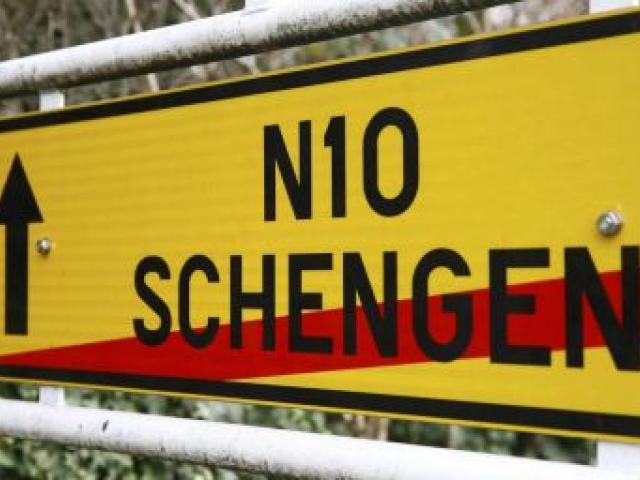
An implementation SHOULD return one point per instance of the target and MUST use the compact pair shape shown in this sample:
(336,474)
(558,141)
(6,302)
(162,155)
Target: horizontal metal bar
(262,26)
(281,452)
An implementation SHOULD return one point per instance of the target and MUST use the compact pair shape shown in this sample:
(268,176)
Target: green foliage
(494,441)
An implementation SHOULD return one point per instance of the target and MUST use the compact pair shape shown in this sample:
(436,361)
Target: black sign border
(581,423)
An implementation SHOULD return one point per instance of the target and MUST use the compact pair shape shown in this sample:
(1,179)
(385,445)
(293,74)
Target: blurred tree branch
(134,23)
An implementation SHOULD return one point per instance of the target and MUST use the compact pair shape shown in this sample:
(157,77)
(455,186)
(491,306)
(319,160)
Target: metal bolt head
(44,246)
(610,223)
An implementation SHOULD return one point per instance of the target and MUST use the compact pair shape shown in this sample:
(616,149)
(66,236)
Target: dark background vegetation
(32,26)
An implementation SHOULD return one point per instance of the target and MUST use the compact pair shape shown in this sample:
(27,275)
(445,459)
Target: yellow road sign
(409,234)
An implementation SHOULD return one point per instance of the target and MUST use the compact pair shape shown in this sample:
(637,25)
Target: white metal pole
(51,100)
(616,456)
(263,25)
(279,452)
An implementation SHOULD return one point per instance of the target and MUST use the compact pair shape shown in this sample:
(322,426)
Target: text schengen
(584,297)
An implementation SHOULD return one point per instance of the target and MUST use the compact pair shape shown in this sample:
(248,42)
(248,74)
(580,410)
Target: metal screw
(610,223)
(44,246)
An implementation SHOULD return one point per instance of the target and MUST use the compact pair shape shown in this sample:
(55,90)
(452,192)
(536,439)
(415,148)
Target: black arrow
(18,208)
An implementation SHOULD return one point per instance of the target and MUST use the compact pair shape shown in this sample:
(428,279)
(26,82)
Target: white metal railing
(280,452)
(262,25)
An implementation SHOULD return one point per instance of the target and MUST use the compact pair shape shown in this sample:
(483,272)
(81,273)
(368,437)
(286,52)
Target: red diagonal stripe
(176,358)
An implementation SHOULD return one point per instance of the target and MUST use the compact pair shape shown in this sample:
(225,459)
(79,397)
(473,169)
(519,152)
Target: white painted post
(619,457)
(51,100)
(596,6)
(616,456)
(52,396)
